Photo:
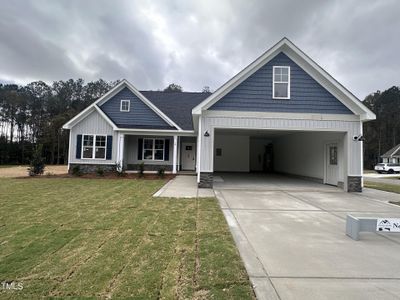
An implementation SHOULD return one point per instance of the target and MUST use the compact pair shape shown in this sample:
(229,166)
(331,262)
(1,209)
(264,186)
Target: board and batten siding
(140,115)
(352,149)
(131,150)
(306,94)
(235,150)
(94,123)
(304,154)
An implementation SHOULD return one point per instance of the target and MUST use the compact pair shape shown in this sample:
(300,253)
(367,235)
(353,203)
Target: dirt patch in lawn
(21,171)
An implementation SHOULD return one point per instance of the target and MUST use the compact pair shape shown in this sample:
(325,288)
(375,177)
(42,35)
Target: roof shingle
(177,106)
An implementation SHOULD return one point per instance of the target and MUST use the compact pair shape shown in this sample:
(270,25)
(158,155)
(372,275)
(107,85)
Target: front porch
(173,153)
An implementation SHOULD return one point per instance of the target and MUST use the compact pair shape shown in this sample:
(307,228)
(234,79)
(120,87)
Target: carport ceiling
(256,132)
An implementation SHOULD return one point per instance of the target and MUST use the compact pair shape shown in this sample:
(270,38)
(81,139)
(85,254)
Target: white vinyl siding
(94,123)
(352,150)
(281,82)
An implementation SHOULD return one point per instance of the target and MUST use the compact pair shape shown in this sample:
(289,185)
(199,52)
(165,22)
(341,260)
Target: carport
(316,156)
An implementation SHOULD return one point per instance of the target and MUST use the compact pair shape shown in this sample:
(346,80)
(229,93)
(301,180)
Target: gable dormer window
(125,105)
(281,82)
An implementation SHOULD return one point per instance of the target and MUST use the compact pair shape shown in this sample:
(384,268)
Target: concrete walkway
(183,186)
(293,242)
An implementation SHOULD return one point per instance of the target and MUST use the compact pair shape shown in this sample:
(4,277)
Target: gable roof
(177,105)
(395,151)
(307,64)
(95,105)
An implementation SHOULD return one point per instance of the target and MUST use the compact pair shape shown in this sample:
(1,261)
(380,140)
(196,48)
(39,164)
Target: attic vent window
(281,82)
(125,105)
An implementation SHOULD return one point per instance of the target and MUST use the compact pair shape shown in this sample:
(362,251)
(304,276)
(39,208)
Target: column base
(354,184)
(206,180)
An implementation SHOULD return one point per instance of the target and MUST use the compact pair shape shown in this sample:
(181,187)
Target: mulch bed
(110,175)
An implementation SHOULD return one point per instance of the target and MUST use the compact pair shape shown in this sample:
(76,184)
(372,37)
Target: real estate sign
(388,224)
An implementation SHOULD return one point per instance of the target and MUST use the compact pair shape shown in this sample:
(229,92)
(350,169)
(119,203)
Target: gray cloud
(195,43)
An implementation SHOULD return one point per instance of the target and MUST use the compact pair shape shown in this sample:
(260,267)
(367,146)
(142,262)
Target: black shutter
(140,149)
(109,147)
(166,150)
(78,146)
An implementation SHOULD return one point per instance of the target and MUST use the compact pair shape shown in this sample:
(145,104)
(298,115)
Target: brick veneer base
(354,184)
(89,168)
(206,180)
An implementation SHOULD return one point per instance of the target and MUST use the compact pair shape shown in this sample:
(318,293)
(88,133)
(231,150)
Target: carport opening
(316,156)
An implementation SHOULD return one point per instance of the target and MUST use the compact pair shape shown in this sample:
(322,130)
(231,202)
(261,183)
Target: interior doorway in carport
(261,156)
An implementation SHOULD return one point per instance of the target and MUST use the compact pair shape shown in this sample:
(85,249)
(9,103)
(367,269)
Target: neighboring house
(283,112)
(392,156)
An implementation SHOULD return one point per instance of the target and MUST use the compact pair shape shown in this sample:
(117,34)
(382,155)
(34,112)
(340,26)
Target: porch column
(120,153)
(179,154)
(175,154)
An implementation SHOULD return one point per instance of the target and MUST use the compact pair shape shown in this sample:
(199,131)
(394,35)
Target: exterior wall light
(206,133)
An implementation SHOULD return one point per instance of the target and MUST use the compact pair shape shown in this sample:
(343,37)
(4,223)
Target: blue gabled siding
(306,95)
(139,116)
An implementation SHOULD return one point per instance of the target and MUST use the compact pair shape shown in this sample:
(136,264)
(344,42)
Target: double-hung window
(281,82)
(125,105)
(153,149)
(94,146)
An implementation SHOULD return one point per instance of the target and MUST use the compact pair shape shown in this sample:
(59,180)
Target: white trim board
(124,83)
(163,132)
(280,115)
(307,64)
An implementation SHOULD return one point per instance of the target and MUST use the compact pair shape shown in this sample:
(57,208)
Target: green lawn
(383,186)
(103,238)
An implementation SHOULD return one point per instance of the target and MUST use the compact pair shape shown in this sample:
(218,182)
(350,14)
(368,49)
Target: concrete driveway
(291,236)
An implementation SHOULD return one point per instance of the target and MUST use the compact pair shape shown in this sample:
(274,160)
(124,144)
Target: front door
(332,171)
(188,156)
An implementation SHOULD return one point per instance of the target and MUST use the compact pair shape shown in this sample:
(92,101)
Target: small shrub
(100,171)
(141,169)
(161,172)
(36,166)
(76,171)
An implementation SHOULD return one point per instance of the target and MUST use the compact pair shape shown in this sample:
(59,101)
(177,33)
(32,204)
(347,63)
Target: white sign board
(388,225)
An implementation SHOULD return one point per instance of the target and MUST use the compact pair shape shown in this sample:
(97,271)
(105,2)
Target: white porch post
(175,154)
(198,156)
(179,153)
(120,153)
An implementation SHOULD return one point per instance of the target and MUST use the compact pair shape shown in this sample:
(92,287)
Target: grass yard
(106,238)
(387,187)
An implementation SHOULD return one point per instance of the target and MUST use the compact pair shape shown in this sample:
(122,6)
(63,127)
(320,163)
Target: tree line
(33,114)
(383,133)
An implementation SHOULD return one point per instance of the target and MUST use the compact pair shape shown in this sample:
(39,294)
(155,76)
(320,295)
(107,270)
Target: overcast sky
(195,43)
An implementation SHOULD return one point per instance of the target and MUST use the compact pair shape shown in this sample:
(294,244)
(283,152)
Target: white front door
(332,164)
(188,156)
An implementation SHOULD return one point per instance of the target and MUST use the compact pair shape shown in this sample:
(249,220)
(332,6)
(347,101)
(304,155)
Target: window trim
(129,105)
(273,82)
(94,147)
(153,149)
